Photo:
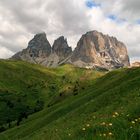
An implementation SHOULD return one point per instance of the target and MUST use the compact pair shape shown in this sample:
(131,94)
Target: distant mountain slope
(94,50)
(87,105)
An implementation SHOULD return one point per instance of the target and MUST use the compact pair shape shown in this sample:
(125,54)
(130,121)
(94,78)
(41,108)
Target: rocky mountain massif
(135,64)
(94,50)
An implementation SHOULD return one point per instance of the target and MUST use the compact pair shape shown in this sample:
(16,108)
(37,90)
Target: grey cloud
(134,51)
(10,45)
(125,9)
(131,6)
(25,14)
(130,10)
(68,16)
(5,53)
(61,17)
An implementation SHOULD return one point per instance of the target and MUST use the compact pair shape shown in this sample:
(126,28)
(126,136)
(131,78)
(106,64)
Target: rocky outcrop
(39,51)
(97,50)
(60,53)
(61,48)
(135,64)
(94,50)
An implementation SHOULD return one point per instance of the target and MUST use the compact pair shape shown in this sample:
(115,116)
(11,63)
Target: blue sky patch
(112,17)
(138,21)
(116,19)
(91,4)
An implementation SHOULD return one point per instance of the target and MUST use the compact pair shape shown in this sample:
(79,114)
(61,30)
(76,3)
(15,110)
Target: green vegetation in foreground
(76,104)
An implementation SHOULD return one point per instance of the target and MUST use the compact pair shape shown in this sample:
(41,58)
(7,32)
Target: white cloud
(5,53)
(70,18)
(125,31)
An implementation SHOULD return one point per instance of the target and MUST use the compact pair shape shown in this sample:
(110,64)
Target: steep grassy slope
(86,105)
(26,88)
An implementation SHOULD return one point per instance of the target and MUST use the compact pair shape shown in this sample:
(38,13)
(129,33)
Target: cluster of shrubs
(16,109)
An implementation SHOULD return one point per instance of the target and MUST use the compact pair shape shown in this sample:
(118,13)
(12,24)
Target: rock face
(39,51)
(60,53)
(97,50)
(61,48)
(94,50)
(135,64)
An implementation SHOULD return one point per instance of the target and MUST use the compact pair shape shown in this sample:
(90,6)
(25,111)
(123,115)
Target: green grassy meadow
(68,103)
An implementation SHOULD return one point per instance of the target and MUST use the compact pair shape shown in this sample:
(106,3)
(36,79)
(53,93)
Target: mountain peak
(39,40)
(94,49)
(38,47)
(61,47)
(61,38)
(40,36)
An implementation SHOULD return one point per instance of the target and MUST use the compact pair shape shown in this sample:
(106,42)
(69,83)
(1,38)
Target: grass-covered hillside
(68,103)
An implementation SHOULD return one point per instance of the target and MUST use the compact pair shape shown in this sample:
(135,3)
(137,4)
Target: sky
(20,20)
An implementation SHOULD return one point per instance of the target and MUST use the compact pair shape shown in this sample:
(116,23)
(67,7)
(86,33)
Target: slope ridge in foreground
(89,105)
